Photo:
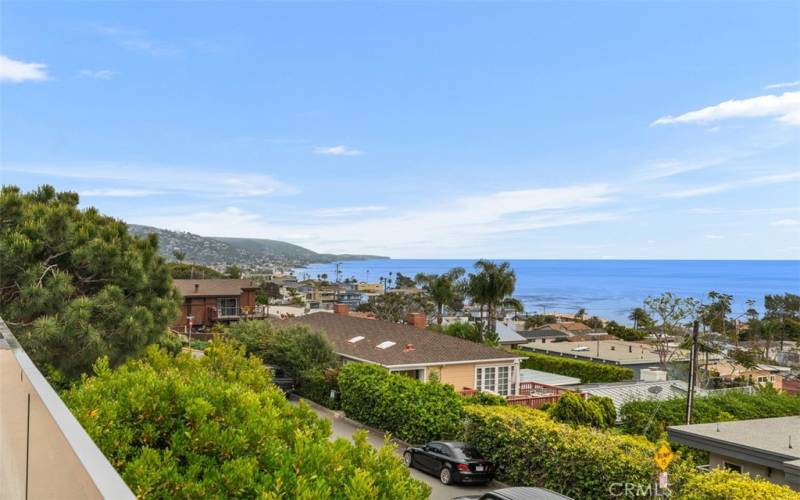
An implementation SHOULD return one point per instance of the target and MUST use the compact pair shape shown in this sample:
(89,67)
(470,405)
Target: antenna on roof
(790,441)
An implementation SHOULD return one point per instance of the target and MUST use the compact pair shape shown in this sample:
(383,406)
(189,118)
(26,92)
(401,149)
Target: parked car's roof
(523,493)
(409,345)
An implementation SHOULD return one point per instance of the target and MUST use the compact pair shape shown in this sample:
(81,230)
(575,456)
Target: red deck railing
(531,394)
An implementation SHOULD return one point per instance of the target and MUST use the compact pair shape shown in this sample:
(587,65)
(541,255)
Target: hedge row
(531,449)
(411,410)
(650,418)
(721,484)
(588,371)
(216,427)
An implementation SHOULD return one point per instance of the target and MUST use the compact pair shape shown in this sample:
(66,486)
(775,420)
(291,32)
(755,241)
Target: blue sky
(535,130)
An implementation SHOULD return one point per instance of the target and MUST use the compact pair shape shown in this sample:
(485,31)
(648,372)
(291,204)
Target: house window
(499,379)
(227,306)
(733,467)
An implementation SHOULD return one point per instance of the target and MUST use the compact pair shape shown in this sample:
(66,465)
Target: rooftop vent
(408,347)
(385,345)
(356,339)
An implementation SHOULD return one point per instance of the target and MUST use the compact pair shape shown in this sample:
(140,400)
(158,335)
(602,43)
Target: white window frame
(487,378)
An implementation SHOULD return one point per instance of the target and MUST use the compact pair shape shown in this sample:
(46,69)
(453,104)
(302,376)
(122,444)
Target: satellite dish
(656,389)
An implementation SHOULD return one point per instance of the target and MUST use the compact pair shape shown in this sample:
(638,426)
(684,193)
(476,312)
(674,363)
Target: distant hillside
(244,252)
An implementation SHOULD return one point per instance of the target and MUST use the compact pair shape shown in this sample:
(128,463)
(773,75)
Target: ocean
(606,288)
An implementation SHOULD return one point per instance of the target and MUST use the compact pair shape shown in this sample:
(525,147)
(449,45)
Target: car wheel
(408,459)
(445,476)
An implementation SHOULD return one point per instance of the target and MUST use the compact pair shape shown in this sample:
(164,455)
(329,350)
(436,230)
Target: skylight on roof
(385,345)
(356,339)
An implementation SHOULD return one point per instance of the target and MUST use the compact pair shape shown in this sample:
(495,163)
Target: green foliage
(411,410)
(216,427)
(394,307)
(537,320)
(186,271)
(650,418)
(623,332)
(170,342)
(233,272)
(485,398)
(720,484)
(466,331)
(76,286)
(573,409)
(303,354)
(587,371)
(531,449)
(445,290)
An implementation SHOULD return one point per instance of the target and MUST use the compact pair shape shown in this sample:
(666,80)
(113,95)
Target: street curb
(340,415)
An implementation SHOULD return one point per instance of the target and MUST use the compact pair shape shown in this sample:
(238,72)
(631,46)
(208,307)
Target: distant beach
(606,288)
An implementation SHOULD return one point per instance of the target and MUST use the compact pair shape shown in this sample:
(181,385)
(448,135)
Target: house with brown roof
(208,301)
(416,352)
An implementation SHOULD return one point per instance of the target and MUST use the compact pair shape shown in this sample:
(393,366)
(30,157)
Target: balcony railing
(44,451)
(531,394)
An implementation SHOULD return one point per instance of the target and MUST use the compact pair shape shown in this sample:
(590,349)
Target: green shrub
(624,332)
(414,411)
(588,371)
(720,484)
(303,354)
(531,449)
(485,398)
(650,418)
(216,427)
(596,411)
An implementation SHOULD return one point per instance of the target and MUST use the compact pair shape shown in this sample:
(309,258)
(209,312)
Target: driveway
(343,428)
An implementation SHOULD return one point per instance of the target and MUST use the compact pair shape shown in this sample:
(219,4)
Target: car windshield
(467,452)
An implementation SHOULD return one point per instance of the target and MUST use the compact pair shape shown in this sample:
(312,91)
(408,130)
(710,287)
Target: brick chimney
(196,287)
(418,320)
(341,309)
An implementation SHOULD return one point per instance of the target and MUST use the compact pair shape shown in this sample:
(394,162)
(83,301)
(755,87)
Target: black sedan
(452,461)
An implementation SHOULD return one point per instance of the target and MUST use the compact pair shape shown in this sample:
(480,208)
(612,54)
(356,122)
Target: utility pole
(692,371)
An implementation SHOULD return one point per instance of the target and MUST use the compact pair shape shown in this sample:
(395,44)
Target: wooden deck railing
(531,394)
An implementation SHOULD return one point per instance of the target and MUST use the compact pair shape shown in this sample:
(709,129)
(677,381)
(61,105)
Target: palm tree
(445,290)
(493,286)
(640,318)
(179,254)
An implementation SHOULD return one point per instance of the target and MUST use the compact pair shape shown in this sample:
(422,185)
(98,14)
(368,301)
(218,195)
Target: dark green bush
(531,449)
(588,371)
(414,411)
(216,427)
(595,411)
(650,418)
(303,354)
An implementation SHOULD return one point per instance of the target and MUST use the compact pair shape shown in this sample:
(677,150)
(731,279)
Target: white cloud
(19,71)
(727,186)
(782,85)
(97,74)
(119,193)
(344,211)
(786,223)
(713,237)
(337,151)
(447,228)
(135,40)
(171,179)
(667,168)
(785,107)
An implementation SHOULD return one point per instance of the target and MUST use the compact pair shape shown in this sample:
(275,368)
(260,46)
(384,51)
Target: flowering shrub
(216,427)
(414,411)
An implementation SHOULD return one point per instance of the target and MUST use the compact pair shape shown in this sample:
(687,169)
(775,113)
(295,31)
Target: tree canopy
(76,285)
